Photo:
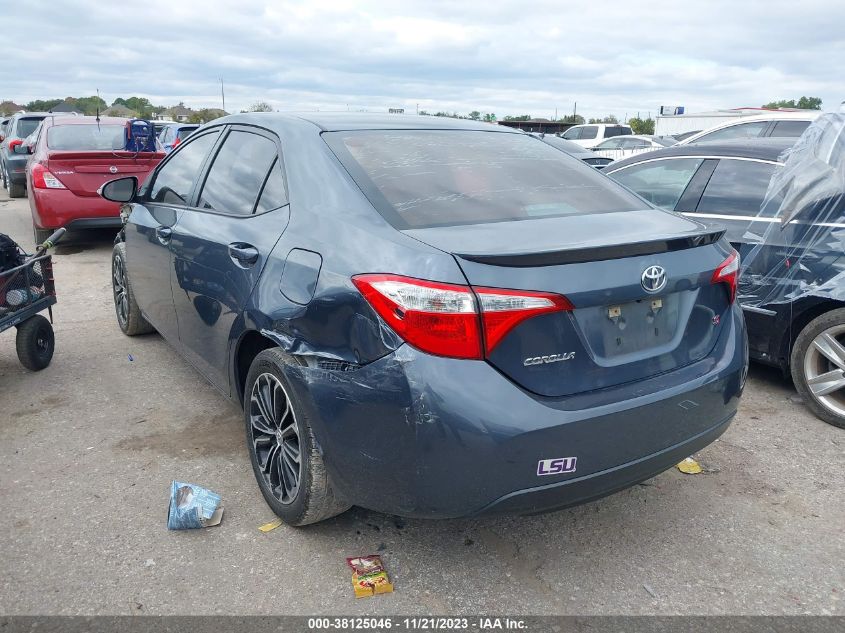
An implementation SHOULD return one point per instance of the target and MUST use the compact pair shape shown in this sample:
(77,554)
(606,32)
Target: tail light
(14,143)
(727,273)
(43,179)
(452,320)
(176,142)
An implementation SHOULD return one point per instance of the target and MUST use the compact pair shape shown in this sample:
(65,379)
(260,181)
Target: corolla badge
(653,279)
(551,358)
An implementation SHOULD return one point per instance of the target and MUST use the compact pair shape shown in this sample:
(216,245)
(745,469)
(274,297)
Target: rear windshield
(26,127)
(85,137)
(426,178)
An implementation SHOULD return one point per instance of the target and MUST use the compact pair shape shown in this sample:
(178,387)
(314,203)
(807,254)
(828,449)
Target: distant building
(539,126)
(65,108)
(119,110)
(179,113)
(396,110)
(9,107)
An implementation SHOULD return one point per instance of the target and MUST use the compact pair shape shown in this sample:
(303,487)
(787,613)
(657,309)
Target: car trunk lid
(85,172)
(617,331)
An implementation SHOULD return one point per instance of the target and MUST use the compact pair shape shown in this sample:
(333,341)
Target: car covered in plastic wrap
(783,204)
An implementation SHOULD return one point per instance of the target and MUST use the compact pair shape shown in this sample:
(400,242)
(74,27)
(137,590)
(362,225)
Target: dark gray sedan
(431,317)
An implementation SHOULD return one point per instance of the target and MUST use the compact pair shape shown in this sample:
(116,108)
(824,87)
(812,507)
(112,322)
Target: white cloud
(506,57)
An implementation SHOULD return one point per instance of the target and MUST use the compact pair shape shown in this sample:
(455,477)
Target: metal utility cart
(26,290)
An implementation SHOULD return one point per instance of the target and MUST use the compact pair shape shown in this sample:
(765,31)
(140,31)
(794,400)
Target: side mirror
(120,190)
(22,149)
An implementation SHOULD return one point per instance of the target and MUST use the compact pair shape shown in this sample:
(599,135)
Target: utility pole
(222,94)
(574,112)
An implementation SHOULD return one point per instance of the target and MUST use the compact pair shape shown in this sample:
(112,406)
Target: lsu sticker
(556,466)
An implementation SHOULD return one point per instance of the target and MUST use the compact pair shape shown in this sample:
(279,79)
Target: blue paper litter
(192,506)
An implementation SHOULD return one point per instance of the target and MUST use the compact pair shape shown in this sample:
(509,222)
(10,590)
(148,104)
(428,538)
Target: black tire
(314,499)
(40,235)
(808,363)
(129,317)
(17,190)
(35,343)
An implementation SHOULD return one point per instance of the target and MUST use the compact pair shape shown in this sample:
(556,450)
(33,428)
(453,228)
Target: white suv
(592,134)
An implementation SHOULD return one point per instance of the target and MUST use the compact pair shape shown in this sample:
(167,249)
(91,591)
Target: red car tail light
(14,143)
(445,320)
(43,179)
(434,317)
(727,273)
(503,310)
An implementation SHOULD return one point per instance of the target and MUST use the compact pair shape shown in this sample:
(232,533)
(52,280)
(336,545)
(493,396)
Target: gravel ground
(89,446)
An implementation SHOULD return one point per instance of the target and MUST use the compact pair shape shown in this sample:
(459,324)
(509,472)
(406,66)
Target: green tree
(205,115)
(88,105)
(260,106)
(475,115)
(521,117)
(424,113)
(575,119)
(641,126)
(41,105)
(490,117)
(804,103)
(141,105)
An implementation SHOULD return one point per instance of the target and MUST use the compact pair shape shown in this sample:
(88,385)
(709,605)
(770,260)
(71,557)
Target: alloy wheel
(121,296)
(275,437)
(824,369)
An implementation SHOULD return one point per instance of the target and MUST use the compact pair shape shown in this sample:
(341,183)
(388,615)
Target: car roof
(337,121)
(87,120)
(761,149)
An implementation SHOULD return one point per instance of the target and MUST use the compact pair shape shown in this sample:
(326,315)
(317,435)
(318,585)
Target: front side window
(737,187)
(572,133)
(589,131)
(426,178)
(736,132)
(175,179)
(661,182)
(238,173)
(82,138)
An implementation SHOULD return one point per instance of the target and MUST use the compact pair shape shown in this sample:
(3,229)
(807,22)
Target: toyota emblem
(113,169)
(654,279)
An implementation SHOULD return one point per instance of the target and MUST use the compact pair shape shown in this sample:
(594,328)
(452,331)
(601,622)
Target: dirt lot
(89,446)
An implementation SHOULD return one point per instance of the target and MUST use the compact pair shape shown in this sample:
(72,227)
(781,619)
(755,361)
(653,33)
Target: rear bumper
(16,168)
(423,436)
(54,208)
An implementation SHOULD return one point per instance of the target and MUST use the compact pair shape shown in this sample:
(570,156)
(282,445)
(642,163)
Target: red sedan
(72,158)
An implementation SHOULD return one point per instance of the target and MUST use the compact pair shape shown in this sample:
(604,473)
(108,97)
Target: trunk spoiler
(596,253)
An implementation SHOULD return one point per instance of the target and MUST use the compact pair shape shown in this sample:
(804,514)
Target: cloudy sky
(507,57)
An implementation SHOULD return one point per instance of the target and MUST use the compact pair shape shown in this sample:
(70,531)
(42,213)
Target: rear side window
(789,129)
(613,130)
(25,127)
(238,173)
(740,131)
(661,182)
(175,179)
(273,195)
(572,133)
(85,137)
(425,178)
(737,187)
(185,132)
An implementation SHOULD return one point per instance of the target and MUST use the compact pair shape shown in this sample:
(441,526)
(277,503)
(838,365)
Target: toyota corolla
(430,317)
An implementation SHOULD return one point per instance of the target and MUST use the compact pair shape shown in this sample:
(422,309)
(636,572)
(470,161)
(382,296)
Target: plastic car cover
(801,252)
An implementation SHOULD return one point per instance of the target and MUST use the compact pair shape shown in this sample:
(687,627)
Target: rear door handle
(164,234)
(244,255)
